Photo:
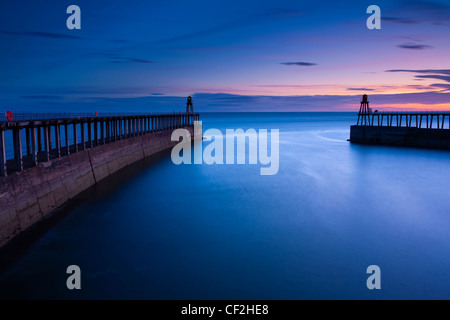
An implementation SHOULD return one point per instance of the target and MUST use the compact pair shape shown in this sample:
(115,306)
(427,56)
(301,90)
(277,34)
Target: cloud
(410,12)
(222,102)
(435,76)
(444,86)
(436,71)
(42,97)
(234,24)
(440,74)
(119,41)
(360,89)
(139,60)
(414,46)
(52,35)
(303,64)
(41,34)
(117,58)
(398,20)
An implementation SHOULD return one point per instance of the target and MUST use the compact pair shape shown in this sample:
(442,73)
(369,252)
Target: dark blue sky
(230,55)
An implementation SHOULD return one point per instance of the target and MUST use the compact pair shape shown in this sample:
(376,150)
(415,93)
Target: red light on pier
(9,115)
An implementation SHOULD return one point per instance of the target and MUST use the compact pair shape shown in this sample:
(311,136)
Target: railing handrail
(407,112)
(30,116)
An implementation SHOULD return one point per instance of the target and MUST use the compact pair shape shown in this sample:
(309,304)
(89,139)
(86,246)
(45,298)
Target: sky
(228,55)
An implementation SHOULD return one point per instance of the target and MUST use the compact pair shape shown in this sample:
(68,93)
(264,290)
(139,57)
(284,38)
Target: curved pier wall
(28,196)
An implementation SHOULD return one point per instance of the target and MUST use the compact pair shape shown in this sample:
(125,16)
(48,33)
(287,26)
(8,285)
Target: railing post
(27,140)
(89,124)
(3,169)
(102,129)
(66,133)
(83,135)
(18,148)
(95,133)
(47,144)
(58,140)
(33,145)
(120,129)
(39,139)
(75,138)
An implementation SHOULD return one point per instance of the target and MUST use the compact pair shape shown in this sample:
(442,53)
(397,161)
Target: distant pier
(47,159)
(411,129)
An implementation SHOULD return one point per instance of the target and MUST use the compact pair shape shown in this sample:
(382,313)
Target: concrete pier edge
(28,196)
(401,136)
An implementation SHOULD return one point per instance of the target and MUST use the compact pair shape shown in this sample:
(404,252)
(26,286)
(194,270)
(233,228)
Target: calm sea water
(162,231)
